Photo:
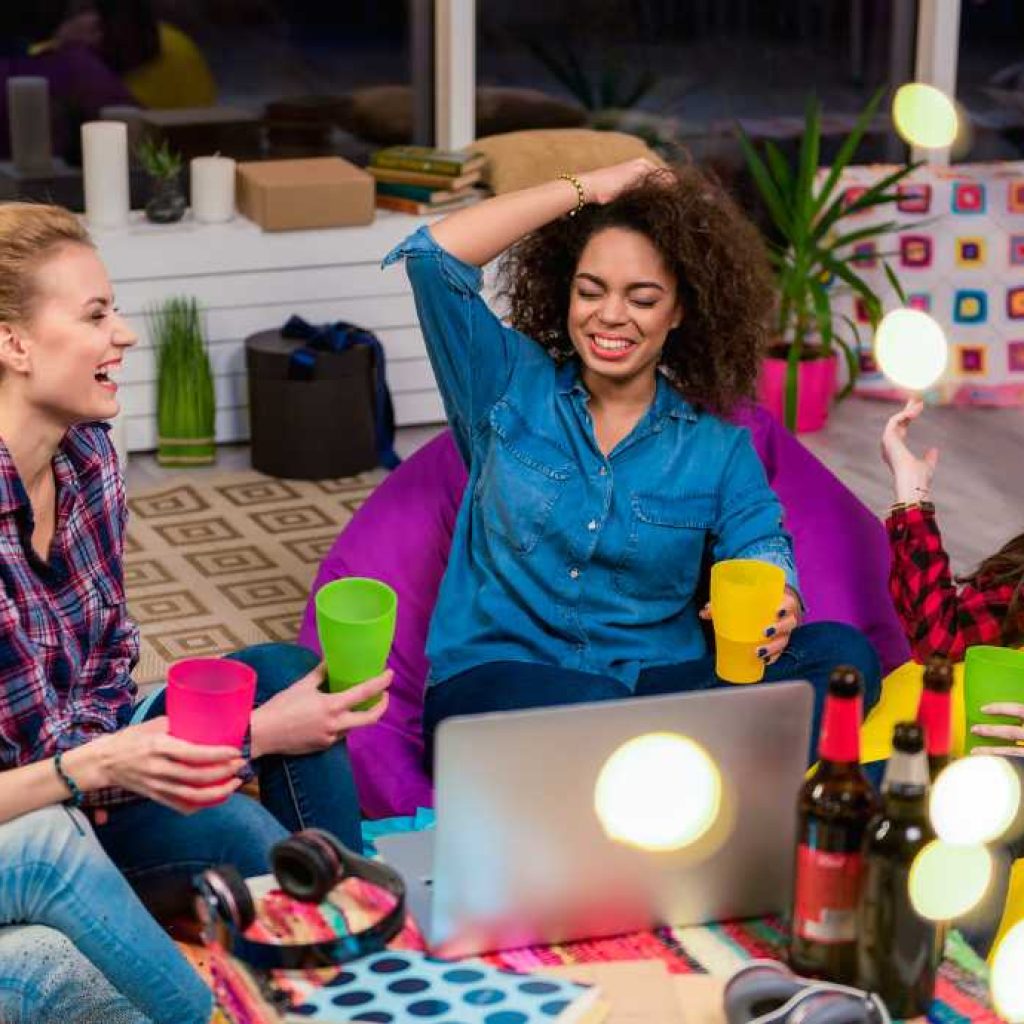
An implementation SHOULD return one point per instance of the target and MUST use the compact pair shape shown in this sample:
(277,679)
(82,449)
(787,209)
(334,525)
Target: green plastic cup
(355,620)
(991,675)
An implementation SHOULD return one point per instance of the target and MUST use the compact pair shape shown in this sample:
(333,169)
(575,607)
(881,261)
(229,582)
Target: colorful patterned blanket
(718,949)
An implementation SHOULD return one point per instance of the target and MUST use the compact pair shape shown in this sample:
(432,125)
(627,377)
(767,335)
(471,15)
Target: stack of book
(421,180)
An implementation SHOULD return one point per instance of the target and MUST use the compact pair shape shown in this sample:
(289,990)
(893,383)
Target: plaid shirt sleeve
(938,617)
(49,700)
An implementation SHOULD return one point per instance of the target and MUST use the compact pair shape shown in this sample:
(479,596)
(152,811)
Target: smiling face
(63,358)
(623,303)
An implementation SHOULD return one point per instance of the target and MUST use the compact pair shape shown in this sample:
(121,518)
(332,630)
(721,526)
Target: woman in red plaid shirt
(942,615)
(70,728)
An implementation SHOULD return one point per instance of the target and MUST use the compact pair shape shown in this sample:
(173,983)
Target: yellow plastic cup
(745,599)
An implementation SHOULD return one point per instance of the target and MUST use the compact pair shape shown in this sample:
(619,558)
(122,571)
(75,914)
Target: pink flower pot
(816,387)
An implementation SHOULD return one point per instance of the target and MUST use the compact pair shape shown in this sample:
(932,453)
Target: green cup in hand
(355,620)
(992,675)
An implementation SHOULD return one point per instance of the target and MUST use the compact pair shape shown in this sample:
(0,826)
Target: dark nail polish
(770,631)
(762,652)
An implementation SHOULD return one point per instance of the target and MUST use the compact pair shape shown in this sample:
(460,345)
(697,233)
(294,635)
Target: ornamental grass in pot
(815,257)
(185,397)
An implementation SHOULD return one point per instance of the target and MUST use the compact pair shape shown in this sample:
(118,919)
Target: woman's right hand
(148,761)
(912,477)
(303,718)
(604,184)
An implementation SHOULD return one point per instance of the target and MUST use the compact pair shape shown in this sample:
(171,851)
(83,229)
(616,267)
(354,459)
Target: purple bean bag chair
(402,536)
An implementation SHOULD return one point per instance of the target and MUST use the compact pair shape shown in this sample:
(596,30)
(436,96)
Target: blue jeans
(55,874)
(813,652)
(159,850)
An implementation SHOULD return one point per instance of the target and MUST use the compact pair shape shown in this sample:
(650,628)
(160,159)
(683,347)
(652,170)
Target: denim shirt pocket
(665,547)
(522,476)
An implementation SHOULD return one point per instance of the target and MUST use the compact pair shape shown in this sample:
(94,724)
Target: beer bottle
(934,712)
(836,803)
(898,952)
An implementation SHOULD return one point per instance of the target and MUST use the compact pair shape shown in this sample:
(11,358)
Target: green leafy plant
(810,212)
(158,160)
(185,398)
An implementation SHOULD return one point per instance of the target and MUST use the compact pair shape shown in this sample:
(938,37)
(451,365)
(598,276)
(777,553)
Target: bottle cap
(938,673)
(845,681)
(908,738)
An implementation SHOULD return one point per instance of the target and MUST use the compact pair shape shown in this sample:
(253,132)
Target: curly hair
(718,260)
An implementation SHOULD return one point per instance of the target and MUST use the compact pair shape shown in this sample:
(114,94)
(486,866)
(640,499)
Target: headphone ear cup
(755,991)
(820,1006)
(232,896)
(308,864)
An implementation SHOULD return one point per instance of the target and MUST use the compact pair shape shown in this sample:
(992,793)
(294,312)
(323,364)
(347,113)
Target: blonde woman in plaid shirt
(140,798)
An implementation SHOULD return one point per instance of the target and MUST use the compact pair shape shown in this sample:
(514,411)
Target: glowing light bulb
(911,349)
(1007,978)
(974,800)
(659,791)
(947,881)
(924,116)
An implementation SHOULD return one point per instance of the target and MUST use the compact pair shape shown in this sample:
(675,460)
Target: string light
(660,792)
(924,116)
(911,349)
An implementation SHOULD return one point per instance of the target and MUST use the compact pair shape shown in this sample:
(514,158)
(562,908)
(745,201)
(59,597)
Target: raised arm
(477,234)
(937,616)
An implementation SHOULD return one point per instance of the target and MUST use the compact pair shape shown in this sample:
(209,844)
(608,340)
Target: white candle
(28,111)
(213,188)
(105,169)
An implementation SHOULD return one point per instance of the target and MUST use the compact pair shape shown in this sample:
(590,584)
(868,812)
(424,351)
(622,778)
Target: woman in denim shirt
(601,474)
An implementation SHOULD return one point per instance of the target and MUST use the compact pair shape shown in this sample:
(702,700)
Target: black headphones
(307,866)
(767,992)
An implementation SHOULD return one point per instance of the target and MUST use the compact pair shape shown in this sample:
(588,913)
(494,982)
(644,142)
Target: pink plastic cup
(209,700)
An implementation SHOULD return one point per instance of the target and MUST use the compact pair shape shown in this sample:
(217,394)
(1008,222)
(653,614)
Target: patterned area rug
(217,562)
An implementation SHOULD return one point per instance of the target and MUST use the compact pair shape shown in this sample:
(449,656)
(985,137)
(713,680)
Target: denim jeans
(43,977)
(159,850)
(813,652)
(55,874)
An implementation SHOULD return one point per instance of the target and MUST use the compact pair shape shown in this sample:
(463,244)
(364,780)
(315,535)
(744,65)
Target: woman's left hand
(777,633)
(1013,734)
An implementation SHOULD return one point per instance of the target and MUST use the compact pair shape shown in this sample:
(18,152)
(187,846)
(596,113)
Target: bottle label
(828,887)
(934,714)
(840,729)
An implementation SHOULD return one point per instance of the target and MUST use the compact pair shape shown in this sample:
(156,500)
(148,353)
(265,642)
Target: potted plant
(815,257)
(167,202)
(185,401)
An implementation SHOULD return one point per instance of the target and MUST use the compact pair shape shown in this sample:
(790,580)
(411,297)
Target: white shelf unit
(247,280)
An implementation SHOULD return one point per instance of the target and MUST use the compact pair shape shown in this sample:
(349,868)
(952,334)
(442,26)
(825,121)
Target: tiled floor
(979,487)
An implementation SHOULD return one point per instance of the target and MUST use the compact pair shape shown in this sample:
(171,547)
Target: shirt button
(592,525)
(603,471)
(574,573)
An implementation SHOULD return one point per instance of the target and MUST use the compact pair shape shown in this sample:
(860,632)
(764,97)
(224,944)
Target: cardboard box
(318,192)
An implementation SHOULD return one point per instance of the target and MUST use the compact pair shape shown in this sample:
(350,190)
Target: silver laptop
(520,856)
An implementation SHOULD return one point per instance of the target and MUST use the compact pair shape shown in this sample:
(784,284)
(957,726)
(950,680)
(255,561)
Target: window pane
(302,76)
(990,80)
(680,73)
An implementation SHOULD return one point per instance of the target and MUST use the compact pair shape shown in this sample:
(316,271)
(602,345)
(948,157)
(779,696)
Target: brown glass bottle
(898,951)
(835,806)
(934,712)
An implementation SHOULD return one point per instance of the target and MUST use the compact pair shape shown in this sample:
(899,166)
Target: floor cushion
(402,535)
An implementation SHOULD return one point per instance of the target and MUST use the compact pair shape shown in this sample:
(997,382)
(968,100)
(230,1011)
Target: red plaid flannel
(67,646)
(938,618)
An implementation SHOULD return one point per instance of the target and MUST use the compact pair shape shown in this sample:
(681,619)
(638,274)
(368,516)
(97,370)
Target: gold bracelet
(581,195)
